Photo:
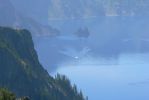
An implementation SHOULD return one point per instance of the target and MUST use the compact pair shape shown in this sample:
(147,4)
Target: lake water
(111,64)
(126,80)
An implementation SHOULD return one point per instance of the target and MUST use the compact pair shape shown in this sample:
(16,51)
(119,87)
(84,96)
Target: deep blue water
(111,64)
(128,79)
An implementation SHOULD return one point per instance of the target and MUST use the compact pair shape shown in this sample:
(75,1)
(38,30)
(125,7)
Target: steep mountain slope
(21,72)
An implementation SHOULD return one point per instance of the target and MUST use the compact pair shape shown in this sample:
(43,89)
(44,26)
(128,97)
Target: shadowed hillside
(21,72)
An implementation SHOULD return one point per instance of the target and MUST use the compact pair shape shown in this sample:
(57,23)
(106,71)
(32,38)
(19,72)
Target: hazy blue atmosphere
(105,66)
(102,46)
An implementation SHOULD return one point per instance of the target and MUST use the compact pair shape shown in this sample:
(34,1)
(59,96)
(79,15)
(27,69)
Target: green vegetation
(21,72)
(64,83)
(6,95)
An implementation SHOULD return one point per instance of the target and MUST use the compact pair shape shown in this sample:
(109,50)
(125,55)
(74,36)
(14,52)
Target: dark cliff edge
(21,72)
